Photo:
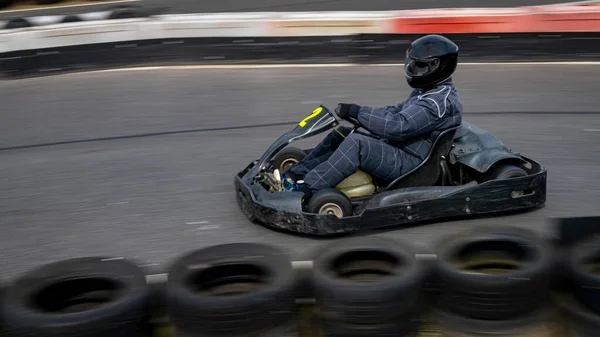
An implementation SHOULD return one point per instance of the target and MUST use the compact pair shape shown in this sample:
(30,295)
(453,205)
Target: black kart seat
(428,172)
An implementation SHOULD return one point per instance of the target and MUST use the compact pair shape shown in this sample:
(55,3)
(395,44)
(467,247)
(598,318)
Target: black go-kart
(467,172)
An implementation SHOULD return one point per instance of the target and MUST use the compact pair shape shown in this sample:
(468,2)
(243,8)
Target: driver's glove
(346,111)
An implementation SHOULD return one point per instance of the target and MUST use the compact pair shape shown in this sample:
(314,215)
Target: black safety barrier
(362,49)
(116,13)
(497,280)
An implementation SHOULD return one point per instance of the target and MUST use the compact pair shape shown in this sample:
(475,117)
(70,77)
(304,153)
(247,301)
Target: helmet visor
(414,67)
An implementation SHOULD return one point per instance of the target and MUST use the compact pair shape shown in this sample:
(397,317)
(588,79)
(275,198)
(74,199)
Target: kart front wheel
(330,201)
(287,158)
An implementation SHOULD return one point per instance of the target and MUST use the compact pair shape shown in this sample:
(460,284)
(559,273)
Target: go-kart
(467,172)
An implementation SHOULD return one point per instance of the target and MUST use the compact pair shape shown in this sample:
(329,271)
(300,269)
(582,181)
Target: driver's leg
(359,151)
(318,155)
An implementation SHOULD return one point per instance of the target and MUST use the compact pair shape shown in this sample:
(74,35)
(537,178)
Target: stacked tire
(242,289)
(489,281)
(6,3)
(370,286)
(86,297)
(495,281)
(582,308)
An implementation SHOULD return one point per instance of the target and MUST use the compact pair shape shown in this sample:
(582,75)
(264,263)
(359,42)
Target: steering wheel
(355,123)
(351,120)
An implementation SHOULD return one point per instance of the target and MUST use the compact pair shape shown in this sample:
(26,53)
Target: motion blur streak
(194,6)
(140,197)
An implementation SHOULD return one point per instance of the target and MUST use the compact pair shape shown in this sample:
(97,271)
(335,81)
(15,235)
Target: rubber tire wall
(544,322)
(585,285)
(385,300)
(500,296)
(248,313)
(127,316)
(582,322)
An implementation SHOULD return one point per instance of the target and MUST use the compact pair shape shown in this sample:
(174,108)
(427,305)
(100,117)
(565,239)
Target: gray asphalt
(212,6)
(153,198)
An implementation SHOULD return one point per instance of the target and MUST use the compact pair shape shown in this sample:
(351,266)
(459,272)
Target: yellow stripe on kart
(315,112)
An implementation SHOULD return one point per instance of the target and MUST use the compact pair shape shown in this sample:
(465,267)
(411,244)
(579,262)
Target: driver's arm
(400,123)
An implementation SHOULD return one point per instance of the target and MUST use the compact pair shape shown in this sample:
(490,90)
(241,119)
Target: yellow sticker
(312,115)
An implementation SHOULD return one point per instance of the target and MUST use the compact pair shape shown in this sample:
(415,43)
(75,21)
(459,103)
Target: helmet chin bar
(425,85)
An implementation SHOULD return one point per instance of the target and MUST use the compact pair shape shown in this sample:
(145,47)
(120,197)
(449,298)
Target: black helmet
(430,60)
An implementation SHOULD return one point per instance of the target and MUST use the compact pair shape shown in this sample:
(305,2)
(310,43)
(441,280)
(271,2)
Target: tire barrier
(87,297)
(232,290)
(110,13)
(134,36)
(544,322)
(492,281)
(584,265)
(5,3)
(494,274)
(368,287)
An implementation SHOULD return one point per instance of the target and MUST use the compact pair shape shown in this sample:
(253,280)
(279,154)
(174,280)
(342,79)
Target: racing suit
(400,139)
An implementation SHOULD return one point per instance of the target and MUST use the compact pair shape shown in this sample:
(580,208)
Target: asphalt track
(129,180)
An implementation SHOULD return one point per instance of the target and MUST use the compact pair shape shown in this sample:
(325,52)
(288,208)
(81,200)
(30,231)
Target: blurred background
(192,6)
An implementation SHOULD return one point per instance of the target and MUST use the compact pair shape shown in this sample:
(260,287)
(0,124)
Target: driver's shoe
(290,185)
(300,186)
(288,181)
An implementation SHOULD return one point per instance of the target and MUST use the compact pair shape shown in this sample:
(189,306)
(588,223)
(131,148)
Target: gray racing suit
(400,139)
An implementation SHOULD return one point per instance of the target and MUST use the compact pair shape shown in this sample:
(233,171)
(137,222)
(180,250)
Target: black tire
(71,18)
(87,297)
(288,156)
(584,268)
(305,288)
(17,23)
(526,262)
(545,322)
(5,3)
(400,328)
(198,280)
(393,292)
(126,12)
(330,201)
(581,321)
(503,171)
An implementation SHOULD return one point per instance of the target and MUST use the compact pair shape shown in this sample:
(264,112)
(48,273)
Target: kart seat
(428,172)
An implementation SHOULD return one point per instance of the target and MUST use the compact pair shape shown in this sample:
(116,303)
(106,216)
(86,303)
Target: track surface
(153,198)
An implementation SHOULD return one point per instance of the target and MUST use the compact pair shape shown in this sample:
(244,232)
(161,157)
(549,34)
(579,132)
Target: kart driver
(400,135)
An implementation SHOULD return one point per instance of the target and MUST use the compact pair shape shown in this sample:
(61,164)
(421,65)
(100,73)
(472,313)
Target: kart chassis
(404,201)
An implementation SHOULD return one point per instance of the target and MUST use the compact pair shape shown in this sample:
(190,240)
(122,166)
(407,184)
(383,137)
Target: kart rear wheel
(287,158)
(505,171)
(330,201)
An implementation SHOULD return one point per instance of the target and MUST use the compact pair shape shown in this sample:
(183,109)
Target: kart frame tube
(392,208)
